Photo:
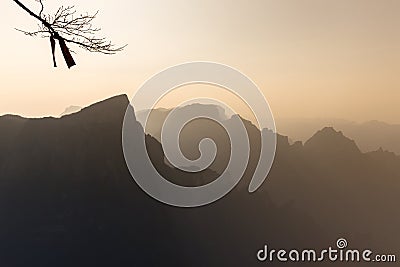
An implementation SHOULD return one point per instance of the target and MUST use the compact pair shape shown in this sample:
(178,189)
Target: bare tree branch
(67,27)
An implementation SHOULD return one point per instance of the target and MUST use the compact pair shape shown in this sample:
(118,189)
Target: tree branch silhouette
(67,27)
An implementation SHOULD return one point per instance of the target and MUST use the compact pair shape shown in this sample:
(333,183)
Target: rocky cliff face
(67,199)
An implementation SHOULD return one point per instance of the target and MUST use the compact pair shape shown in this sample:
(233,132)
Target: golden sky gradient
(311,58)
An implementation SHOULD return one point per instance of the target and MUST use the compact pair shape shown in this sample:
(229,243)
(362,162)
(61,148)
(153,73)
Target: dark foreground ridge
(67,198)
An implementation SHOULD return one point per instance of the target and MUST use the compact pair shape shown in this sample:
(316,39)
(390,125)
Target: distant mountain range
(67,198)
(70,110)
(369,136)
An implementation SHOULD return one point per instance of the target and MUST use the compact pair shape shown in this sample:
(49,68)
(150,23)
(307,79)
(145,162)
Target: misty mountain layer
(369,136)
(68,199)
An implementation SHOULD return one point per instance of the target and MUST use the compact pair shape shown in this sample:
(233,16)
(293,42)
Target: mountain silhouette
(369,136)
(328,140)
(68,199)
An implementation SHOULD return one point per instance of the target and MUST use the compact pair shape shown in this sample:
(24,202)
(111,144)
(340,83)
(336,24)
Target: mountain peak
(328,139)
(113,108)
(118,100)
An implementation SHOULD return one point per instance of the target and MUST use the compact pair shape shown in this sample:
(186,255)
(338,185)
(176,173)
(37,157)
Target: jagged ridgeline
(67,197)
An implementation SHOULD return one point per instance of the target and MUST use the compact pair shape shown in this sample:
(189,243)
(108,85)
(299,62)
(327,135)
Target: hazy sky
(337,58)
